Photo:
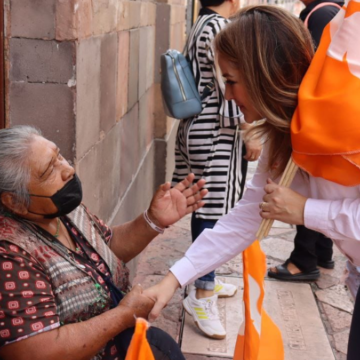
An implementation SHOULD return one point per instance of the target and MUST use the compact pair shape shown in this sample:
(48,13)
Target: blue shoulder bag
(180,96)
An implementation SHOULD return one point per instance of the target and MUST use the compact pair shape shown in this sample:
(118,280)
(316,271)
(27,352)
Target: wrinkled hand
(170,204)
(283,204)
(253,149)
(161,294)
(138,304)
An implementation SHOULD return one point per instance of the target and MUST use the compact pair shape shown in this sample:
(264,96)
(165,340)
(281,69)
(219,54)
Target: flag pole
(286,180)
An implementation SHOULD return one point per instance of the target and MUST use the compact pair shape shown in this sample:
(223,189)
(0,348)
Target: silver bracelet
(151,224)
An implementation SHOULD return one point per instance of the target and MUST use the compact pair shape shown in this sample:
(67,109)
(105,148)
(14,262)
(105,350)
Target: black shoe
(326,264)
(284,274)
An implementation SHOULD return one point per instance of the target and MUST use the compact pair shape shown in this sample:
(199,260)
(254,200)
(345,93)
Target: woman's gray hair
(15,143)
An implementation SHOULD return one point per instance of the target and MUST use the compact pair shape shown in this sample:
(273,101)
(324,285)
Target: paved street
(332,297)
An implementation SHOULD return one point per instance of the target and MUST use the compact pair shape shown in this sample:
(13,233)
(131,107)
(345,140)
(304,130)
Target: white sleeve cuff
(316,214)
(184,271)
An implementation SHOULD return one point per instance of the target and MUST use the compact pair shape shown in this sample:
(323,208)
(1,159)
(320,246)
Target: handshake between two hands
(149,303)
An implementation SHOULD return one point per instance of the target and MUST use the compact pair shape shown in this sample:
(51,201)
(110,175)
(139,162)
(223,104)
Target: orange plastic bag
(139,348)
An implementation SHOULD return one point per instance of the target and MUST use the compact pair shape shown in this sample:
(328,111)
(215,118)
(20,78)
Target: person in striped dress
(211,146)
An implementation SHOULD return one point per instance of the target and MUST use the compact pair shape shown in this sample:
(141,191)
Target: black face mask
(66,199)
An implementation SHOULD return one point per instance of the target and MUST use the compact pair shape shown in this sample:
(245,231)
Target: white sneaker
(224,290)
(205,314)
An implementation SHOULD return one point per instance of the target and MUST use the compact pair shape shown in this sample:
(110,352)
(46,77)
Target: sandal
(326,264)
(284,274)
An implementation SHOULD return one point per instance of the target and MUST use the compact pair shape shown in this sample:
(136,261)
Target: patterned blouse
(42,288)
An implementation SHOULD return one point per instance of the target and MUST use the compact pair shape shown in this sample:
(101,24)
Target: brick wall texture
(86,72)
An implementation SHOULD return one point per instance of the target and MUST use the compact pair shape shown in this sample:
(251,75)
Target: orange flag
(259,338)
(325,129)
(139,348)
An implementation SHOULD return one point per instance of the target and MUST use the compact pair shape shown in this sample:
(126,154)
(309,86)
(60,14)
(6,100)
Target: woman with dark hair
(264,54)
(211,146)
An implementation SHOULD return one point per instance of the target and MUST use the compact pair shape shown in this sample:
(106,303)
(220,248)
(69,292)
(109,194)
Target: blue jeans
(206,282)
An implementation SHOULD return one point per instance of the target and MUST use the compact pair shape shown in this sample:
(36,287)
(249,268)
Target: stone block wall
(86,72)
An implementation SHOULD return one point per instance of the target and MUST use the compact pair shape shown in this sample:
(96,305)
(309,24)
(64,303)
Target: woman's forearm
(79,341)
(131,238)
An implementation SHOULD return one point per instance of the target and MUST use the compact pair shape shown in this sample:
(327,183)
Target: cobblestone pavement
(333,298)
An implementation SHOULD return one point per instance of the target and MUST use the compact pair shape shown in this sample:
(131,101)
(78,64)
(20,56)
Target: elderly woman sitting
(64,284)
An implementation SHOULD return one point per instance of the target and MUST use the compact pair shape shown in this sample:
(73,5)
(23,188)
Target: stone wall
(86,72)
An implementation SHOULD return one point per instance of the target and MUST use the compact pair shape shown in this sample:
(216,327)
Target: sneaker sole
(212,336)
(215,337)
(226,296)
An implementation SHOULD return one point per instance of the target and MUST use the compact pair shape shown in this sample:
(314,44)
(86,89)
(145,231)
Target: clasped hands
(149,303)
(283,204)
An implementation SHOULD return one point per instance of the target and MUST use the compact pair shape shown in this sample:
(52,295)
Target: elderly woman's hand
(283,204)
(137,304)
(170,204)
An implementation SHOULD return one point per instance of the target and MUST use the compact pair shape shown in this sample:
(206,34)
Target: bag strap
(208,89)
(318,7)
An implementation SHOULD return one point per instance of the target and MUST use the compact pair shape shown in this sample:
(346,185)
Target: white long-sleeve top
(331,209)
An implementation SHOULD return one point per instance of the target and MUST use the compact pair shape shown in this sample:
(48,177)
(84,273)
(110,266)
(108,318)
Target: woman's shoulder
(213,24)
(217,23)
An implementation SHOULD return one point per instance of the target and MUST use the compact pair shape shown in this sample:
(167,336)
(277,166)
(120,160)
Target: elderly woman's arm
(167,207)
(83,340)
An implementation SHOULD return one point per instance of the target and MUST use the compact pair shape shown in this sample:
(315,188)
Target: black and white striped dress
(210,144)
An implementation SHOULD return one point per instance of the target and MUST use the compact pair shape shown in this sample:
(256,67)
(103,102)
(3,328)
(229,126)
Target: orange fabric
(325,128)
(258,335)
(139,348)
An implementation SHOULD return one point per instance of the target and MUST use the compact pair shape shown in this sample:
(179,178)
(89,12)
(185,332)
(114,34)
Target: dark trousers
(162,344)
(353,346)
(310,246)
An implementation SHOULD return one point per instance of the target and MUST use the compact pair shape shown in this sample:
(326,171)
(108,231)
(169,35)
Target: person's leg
(204,285)
(304,255)
(324,252)
(162,344)
(353,346)
(201,303)
(302,263)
